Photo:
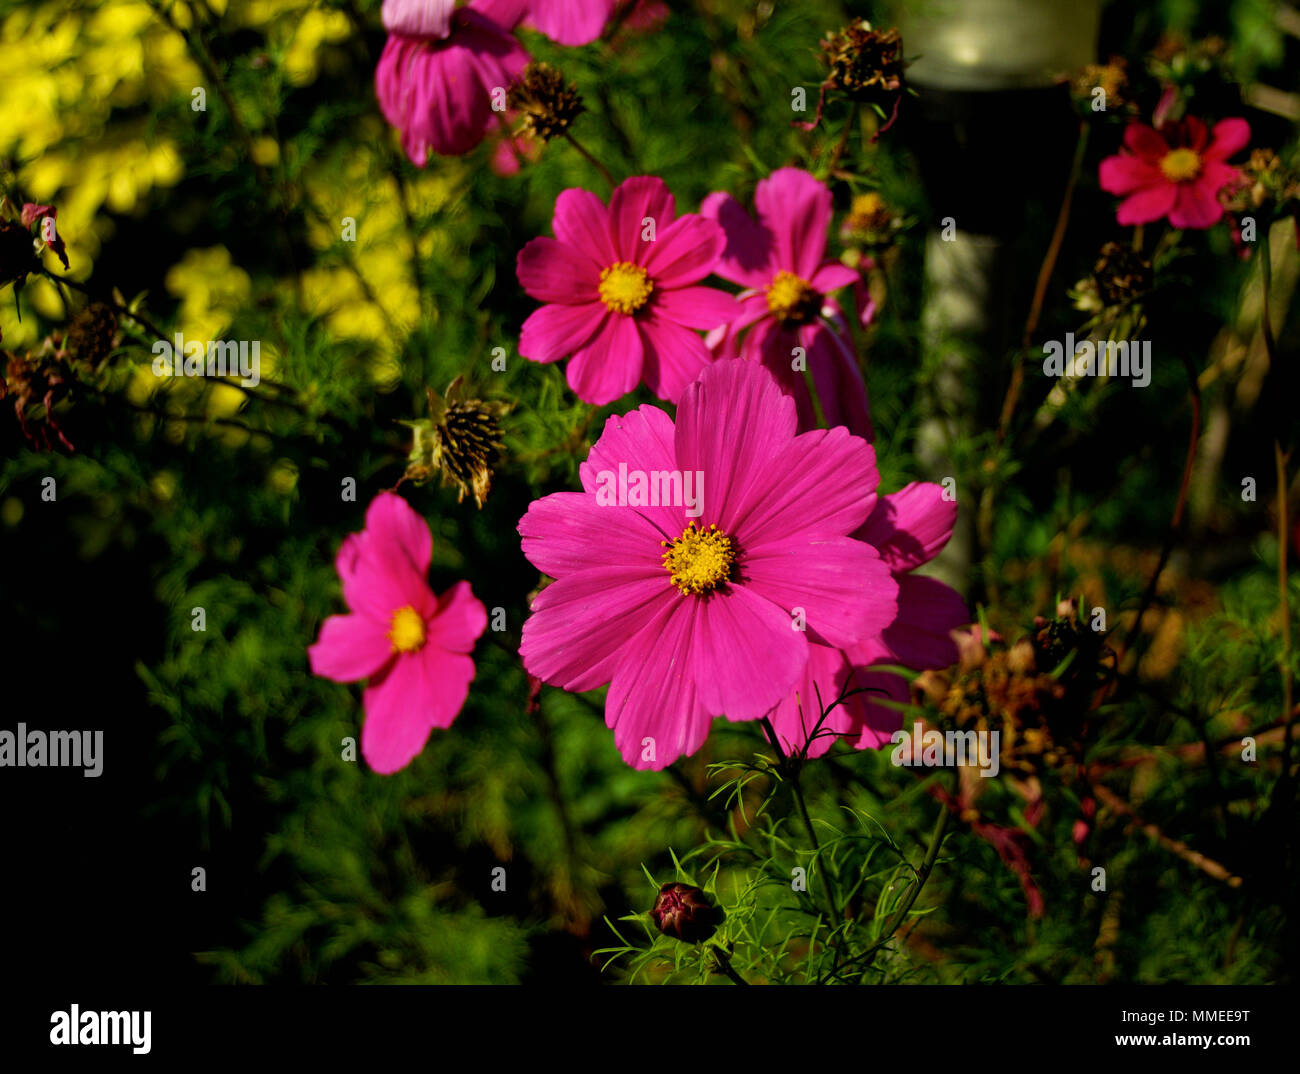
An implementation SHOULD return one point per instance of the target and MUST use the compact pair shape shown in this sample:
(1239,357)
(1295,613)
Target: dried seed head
(549,104)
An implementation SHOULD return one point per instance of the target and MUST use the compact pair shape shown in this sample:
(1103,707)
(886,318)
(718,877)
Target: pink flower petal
(697,307)
(840,388)
(798,715)
(1147,205)
(832,276)
(609,366)
(554,331)
(674,356)
(1125,174)
(633,205)
(748,258)
(350,648)
(796,208)
(845,590)
(459,621)
(582,222)
(418,18)
(505,13)
(909,527)
(567,532)
(1197,205)
(730,423)
(383,568)
(570,22)
(920,636)
(581,623)
(684,252)
(421,691)
(1145,142)
(1230,136)
(877,720)
(551,271)
(653,705)
(642,439)
(822,483)
(746,656)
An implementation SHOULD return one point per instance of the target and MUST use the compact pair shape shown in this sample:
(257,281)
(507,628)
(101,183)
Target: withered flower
(866,65)
(548,104)
(461,439)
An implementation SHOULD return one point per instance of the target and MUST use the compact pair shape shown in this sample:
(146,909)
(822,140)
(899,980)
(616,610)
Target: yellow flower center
(699,560)
(792,298)
(625,287)
(1180,165)
(407,631)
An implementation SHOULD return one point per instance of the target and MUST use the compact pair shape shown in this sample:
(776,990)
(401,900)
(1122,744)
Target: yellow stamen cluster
(699,560)
(792,298)
(625,287)
(407,631)
(1180,165)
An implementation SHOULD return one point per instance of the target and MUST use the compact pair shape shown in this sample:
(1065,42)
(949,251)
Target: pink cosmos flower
(439,68)
(620,294)
(692,616)
(413,646)
(780,260)
(908,528)
(1176,171)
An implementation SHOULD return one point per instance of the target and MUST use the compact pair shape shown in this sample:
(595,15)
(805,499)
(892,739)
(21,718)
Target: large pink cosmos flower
(1176,171)
(908,528)
(688,618)
(620,294)
(439,68)
(413,646)
(780,260)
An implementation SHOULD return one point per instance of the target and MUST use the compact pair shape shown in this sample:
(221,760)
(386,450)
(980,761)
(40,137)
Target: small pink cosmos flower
(619,284)
(908,528)
(780,260)
(686,617)
(1176,171)
(440,67)
(413,646)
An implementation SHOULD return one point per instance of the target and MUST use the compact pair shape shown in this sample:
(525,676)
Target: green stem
(605,173)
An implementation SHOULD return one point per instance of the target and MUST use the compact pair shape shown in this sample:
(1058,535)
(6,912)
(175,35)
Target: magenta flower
(691,605)
(908,528)
(413,646)
(620,294)
(1176,171)
(780,260)
(440,68)
(570,22)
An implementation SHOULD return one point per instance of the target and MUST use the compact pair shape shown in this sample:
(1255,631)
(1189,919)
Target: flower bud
(684,912)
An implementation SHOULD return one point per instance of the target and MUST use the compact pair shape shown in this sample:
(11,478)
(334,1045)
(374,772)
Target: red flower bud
(684,912)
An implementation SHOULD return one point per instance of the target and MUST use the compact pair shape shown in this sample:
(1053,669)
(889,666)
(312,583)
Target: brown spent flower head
(461,438)
(865,64)
(1121,274)
(35,383)
(1011,689)
(684,912)
(549,104)
(93,334)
